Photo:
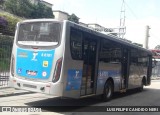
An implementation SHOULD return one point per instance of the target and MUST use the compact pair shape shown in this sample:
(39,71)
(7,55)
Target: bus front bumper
(37,86)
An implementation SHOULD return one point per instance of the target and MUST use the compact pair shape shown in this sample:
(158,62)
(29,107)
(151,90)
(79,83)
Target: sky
(138,13)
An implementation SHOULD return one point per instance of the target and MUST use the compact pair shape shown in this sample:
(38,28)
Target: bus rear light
(12,65)
(57,70)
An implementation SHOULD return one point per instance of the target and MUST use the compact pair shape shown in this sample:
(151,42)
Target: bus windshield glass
(39,33)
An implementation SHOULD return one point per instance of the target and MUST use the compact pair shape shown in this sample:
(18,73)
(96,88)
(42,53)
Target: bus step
(122,90)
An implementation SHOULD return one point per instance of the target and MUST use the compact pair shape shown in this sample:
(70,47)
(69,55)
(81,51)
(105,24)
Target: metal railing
(5,55)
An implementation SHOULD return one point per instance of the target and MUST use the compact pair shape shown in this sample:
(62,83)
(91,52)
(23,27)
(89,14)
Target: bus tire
(108,91)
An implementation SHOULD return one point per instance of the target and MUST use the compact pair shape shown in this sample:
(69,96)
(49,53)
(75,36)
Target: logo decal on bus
(34,56)
(46,55)
(19,70)
(34,66)
(31,73)
(45,63)
(74,79)
(44,74)
(22,54)
(76,76)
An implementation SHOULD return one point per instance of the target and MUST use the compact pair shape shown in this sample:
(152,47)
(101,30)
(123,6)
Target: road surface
(149,97)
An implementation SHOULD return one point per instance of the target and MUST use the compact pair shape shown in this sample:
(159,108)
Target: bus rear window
(39,33)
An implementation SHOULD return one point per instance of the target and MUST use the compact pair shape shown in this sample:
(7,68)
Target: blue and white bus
(65,59)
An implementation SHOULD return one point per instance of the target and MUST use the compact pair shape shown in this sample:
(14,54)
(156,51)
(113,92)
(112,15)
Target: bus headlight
(12,68)
(57,70)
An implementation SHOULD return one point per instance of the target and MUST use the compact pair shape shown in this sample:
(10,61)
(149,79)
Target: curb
(8,91)
(16,94)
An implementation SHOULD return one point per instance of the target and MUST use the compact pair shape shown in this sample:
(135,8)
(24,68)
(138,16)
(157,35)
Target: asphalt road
(149,97)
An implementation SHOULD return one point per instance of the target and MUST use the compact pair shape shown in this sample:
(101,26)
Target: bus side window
(134,57)
(143,61)
(104,53)
(76,44)
(110,52)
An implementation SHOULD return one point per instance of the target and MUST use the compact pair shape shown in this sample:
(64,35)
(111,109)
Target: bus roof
(110,37)
(39,20)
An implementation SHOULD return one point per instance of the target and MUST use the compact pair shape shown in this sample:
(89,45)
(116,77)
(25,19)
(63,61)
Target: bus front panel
(37,56)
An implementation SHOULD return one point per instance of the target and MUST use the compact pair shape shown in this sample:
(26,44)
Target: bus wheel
(108,91)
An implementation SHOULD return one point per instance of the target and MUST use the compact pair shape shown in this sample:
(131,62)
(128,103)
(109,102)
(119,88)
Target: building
(43,2)
(96,27)
(60,15)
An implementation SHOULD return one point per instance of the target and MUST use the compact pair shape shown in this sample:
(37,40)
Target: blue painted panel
(74,79)
(104,74)
(34,64)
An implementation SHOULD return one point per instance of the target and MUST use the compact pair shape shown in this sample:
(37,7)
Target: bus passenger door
(89,66)
(125,69)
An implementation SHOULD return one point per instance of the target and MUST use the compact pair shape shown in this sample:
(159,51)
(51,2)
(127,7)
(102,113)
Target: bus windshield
(39,33)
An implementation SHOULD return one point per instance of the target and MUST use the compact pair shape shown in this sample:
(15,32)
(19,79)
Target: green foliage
(4,39)
(3,22)
(42,11)
(24,8)
(11,6)
(1,2)
(21,8)
(73,18)
(12,21)
(49,13)
(5,51)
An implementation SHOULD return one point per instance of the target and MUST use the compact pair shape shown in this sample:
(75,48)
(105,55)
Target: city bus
(65,59)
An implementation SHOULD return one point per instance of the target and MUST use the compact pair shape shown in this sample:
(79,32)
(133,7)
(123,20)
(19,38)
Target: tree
(1,2)
(49,13)
(157,47)
(11,6)
(3,22)
(42,11)
(8,23)
(73,18)
(24,8)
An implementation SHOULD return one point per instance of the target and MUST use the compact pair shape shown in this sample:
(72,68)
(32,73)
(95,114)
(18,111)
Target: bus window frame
(110,55)
(39,47)
(71,48)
